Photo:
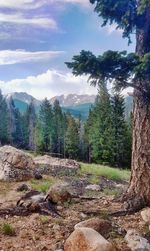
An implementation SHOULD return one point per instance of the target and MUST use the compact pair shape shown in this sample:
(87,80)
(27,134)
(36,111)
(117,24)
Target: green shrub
(8,229)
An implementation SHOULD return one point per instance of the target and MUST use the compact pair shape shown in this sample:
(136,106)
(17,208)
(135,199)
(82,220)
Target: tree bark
(138,193)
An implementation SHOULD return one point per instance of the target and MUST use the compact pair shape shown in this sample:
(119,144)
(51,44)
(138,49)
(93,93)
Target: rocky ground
(76,196)
(39,232)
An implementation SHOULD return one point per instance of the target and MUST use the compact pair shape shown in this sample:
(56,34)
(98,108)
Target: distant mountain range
(23,97)
(77,105)
(74,99)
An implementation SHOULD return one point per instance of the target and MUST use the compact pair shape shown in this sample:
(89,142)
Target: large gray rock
(15,165)
(55,166)
(87,239)
(136,242)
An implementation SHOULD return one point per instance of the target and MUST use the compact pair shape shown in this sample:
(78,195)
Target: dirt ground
(40,233)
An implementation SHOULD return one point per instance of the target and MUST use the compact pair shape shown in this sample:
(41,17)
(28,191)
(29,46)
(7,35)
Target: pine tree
(46,122)
(38,137)
(72,139)
(15,125)
(59,128)
(87,155)
(121,133)
(4,137)
(100,129)
(127,70)
(30,120)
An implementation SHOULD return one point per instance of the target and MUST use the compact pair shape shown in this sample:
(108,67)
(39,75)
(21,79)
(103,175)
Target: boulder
(146,215)
(59,193)
(136,242)
(87,239)
(101,226)
(15,165)
(55,166)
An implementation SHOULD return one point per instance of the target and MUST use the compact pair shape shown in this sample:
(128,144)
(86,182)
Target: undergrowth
(43,185)
(105,171)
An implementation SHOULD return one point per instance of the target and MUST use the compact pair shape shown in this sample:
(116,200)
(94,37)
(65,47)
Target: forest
(104,138)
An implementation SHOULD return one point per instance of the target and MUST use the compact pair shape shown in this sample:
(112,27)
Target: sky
(38,36)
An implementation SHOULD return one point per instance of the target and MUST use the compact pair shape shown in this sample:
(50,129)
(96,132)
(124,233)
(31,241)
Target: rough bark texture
(138,193)
(139,189)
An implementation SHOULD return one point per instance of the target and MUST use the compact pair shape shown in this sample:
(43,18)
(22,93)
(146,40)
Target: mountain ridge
(77,105)
(64,100)
(73,99)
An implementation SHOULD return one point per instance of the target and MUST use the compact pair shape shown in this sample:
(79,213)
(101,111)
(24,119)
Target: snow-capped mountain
(73,103)
(73,99)
(23,97)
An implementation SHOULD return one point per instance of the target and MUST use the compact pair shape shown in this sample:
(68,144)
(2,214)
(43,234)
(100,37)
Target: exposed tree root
(21,209)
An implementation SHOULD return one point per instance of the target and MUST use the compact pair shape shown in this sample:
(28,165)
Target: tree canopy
(119,68)
(126,14)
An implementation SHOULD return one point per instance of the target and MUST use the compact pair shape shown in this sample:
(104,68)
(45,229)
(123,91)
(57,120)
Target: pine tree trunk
(138,193)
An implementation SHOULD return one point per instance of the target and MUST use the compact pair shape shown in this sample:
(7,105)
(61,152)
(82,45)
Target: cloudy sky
(38,36)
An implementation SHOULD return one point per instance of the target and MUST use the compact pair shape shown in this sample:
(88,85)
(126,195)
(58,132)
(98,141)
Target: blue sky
(38,36)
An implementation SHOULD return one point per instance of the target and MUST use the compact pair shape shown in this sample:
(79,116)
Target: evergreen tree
(59,129)
(4,137)
(38,137)
(121,133)
(127,70)
(87,155)
(100,130)
(15,125)
(46,123)
(72,139)
(30,121)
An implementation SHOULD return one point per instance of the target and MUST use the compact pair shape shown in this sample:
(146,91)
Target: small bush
(8,229)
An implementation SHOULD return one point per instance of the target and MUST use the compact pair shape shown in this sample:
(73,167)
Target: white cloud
(49,84)
(33,4)
(43,22)
(22,4)
(80,2)
(8,57)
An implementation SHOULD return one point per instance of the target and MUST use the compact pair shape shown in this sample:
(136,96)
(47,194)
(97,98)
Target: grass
(108,172)
(43,185)
(110,192)
(94,179)
(7,229)
(44,219)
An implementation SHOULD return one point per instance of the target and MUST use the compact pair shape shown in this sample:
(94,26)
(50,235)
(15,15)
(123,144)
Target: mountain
(22,100)
(78,110)
(74,99)
(23,97)
(77,105)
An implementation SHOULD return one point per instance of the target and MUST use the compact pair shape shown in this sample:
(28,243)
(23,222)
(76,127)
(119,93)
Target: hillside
(79,110)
